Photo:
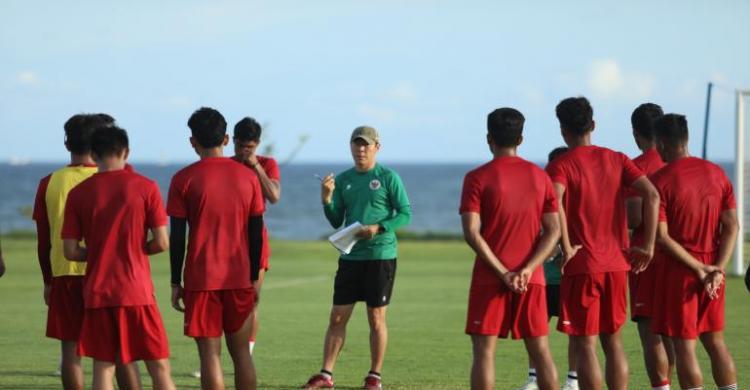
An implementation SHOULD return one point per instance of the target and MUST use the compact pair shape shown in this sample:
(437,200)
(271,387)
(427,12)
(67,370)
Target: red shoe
(319,381)
(372,383)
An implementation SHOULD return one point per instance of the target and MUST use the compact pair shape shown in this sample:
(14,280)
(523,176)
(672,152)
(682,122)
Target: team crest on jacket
(374,184)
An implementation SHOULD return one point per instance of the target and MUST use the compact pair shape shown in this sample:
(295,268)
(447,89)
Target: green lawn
(427,348)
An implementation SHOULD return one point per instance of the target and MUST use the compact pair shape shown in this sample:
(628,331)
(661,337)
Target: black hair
(247,130)
(78,130)
(107,141)
(556,153)
(575,115)
(643,118)
(505,126)
(208,127)
(671,129)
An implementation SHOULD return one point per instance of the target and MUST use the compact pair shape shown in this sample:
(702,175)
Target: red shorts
(684,309)
(65,312)
(642,291)
(494,310)
(210,313)
(123,334)
(592,304)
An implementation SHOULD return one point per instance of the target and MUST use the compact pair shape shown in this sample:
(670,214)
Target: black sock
(374,373)
(324,371)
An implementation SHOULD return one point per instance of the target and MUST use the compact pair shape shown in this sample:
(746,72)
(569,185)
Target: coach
(374,196)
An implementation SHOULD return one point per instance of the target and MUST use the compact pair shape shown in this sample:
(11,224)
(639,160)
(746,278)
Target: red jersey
(217,196)
(111,212)
(510,195)
(595,179)
(694,192)
(649,162)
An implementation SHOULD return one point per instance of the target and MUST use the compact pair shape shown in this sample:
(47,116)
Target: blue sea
(434,191)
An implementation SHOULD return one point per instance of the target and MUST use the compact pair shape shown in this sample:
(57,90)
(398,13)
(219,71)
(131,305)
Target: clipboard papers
(345,238)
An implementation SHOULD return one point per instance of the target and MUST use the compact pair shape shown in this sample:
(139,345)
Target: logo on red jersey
(374,184)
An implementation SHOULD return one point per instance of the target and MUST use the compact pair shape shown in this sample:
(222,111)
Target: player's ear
(377,146)
(192,142)
(593,125)
(226,140)
(126,153)
(519,141)
(65,141)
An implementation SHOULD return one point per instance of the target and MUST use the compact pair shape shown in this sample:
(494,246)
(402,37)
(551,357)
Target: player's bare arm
(727,239)
(159,241)
(568,249)
(641,256)
(73,250)
(545,247)
(677,251)
(634,209)
(271,187)
(471,224)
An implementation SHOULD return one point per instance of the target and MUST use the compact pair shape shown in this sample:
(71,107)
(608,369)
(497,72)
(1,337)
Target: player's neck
(81,159)
(498,152)
(583,140)
(210,152)
(676,155)
(111,164)
(646,146)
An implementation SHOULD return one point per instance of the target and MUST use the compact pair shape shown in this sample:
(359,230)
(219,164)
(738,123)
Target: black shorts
(553,300)
(364,280)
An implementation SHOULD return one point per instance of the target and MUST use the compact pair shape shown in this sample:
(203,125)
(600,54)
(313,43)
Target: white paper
(345,238)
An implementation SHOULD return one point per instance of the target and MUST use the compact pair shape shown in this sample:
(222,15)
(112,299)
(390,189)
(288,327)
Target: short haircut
(208,127)
(643,118)
(107,141)
(575,115)
(247,130)
(556,153)
(505,126)
(78,130)
(671,129)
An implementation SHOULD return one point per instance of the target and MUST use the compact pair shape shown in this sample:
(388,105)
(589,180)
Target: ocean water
(434,191)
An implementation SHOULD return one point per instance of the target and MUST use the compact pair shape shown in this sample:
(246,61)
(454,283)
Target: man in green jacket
(374,196)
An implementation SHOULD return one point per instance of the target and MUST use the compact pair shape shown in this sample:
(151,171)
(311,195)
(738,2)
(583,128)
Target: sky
(425,73)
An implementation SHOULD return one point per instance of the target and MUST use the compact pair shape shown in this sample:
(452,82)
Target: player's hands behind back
(640,258)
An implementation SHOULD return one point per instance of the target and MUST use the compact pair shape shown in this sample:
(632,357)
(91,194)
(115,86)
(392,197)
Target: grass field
(427,348)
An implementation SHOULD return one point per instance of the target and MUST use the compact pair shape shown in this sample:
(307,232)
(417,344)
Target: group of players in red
(514,215)
(111,314)
(681,211)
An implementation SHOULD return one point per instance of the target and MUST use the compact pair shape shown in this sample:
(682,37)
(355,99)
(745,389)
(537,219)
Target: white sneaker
(529,385)
(570,385)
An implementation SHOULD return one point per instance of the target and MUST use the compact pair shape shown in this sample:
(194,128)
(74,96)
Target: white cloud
(27,77)
(375,113)
(607,79)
